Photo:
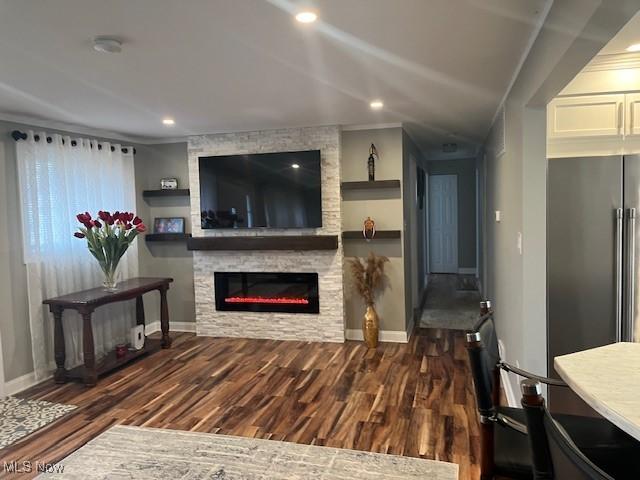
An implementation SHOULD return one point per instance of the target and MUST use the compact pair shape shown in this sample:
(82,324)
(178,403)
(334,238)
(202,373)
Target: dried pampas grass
(368,276)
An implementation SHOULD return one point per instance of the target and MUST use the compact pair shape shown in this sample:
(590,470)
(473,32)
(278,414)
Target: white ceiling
(440,66)
(628,35)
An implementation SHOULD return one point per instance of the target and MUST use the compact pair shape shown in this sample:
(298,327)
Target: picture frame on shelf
(168,225)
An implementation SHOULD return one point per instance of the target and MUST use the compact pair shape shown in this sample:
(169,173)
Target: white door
(443,223)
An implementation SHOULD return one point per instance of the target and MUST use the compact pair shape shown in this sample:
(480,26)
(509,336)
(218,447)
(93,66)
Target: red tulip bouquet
(108,238)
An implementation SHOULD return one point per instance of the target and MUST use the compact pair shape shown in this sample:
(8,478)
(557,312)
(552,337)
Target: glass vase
(110,282)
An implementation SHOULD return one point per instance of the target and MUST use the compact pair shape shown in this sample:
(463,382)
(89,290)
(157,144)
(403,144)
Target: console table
(85,302)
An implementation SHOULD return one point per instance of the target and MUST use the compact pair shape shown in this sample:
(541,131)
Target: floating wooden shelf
(272,242)
(177,192)
(166,237)
(380,234)
(366,185)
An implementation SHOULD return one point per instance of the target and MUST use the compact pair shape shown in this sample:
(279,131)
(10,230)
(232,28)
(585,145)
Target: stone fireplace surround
(328,325)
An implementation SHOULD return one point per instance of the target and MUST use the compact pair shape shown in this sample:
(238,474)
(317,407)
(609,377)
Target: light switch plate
(498,216)
(519,243)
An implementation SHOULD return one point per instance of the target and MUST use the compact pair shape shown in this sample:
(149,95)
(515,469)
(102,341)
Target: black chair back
(482,347)
(555,456)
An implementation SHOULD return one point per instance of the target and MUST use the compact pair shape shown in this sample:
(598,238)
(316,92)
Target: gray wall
(415,228)
(466,171)
(386,208)
(162,259)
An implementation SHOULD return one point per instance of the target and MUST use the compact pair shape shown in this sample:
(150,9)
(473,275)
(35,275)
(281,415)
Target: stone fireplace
(273,309)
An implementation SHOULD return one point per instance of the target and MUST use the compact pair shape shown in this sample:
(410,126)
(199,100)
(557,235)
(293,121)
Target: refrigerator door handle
(619,273)
(631,268)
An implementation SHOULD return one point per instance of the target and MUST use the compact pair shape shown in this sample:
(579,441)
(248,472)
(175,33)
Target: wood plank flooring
(412,399)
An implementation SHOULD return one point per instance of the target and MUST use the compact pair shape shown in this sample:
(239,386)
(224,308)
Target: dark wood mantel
(271,242)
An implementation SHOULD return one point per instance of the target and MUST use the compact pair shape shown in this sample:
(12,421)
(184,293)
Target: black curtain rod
(18,135)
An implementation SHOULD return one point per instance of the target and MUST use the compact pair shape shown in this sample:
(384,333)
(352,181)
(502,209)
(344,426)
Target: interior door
(443,223)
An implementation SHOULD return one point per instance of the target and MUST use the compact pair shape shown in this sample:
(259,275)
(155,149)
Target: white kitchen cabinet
(587,116)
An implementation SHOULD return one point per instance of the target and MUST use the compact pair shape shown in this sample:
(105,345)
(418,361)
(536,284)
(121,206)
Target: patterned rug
(20,417)
(147,453)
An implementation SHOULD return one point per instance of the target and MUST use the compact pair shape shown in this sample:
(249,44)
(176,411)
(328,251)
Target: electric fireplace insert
(267,292)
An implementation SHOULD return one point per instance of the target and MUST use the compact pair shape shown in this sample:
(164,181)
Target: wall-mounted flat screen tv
(265,190)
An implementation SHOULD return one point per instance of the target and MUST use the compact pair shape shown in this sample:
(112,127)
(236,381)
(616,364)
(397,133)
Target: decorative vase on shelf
(370,327)
(108,238)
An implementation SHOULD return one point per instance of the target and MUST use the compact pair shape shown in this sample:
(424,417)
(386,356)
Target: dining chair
(554,453)
(504,447)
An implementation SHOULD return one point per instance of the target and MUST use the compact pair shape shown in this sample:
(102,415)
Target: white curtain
(58,181)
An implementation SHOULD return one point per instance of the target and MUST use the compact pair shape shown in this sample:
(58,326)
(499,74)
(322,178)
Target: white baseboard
(189,327)
(384,335)
(27,380)
(467,271)
(506,378)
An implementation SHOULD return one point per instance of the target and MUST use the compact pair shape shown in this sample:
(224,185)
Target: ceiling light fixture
(168,121)
(306,17)
(107,45)
(376,104)
(295,165)
(634,48)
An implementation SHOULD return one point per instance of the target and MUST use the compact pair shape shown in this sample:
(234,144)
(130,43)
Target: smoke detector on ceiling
(449,147)
(107,45)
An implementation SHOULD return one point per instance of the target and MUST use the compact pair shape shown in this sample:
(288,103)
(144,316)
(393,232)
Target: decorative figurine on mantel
(169,184)
(369,281)
(369,229)
(371,162)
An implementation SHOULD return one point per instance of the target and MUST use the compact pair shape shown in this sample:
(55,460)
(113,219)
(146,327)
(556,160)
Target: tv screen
(265,190)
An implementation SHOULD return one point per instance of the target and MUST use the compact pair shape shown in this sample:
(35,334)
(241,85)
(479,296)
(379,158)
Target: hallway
(452,302)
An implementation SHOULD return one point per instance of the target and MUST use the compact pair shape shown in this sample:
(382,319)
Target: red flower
(137,221)
(128,226)
(84,217)
(129,216)
(116,216)
(97,224)
(105,217)
(79,235)
(140,227)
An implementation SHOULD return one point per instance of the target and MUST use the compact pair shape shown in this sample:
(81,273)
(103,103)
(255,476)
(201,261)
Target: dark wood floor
(412,399)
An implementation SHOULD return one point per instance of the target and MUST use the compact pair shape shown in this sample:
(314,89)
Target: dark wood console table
(85,303)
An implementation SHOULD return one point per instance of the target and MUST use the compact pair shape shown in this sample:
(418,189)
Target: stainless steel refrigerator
(593,253)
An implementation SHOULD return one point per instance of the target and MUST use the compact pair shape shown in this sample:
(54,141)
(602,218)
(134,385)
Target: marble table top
(139,453)
(608,379)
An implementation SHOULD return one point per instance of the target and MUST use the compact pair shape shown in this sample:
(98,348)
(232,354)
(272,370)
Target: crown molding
(616,61)
(372,126)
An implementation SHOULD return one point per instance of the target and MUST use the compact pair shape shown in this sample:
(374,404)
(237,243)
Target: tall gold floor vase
(370,327)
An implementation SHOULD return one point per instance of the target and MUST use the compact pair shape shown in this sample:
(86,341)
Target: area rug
(149,453)
(20,417)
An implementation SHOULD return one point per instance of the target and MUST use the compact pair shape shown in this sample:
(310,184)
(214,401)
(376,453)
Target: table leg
(164,318)
(58,342)
(90,375)
(139,311)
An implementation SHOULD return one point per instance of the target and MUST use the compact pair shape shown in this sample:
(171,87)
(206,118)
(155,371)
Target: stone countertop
(608,379)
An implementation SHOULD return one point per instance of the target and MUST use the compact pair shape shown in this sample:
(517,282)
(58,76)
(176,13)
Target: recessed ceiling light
(376,104)
(306,17)
(168,121)
(107,45)
(634,48)
(295,165)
